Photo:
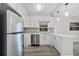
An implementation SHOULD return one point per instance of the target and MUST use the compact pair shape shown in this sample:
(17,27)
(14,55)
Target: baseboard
(35,45)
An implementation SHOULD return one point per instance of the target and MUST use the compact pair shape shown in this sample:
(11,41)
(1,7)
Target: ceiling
(50,9)
(47,9)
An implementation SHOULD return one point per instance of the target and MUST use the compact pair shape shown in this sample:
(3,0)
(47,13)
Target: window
(74,26)
(44,28)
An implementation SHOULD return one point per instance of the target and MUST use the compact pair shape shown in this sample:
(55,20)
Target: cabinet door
(37,39)
(34,23)
(44,39)
(33,39)
(51,40)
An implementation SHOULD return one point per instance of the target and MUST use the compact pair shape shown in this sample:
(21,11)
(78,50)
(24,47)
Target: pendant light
(66,13)
(66,10)
(38,7)
(57,17)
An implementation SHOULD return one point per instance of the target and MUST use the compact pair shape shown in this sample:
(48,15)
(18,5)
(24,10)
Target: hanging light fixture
(38,7)
(57,17)
(66,11)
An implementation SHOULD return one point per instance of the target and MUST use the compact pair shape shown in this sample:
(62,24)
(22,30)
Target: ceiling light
(38,7)
(58,18)
(66,13)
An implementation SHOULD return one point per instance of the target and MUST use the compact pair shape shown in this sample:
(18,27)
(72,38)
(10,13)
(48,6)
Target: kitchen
(52,26)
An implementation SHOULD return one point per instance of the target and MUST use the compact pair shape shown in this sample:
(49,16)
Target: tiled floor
(40,51)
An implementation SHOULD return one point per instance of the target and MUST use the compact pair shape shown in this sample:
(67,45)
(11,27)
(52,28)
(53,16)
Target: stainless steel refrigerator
(15,34)
(11,31)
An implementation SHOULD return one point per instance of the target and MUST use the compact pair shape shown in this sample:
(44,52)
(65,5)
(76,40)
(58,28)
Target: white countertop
(64,35)
(61,35)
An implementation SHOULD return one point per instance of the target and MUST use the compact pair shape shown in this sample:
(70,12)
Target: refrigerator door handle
(15,33)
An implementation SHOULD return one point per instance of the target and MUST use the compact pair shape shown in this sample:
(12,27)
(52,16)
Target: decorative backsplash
(36,30)
(31,30)
(51,30)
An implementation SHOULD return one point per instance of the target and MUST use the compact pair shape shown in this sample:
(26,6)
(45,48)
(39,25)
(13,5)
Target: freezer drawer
(15,44)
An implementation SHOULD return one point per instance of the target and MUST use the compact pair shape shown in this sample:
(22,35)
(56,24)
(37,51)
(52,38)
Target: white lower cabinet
(57,43)
(64,45)
(27,39)
(45,39)
(51,40)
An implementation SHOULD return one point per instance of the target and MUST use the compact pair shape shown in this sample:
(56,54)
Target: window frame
(43,28)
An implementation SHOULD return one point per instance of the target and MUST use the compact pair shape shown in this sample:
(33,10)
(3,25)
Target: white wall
(62,26)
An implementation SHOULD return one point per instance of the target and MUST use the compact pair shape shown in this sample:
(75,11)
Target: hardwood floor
(40,51)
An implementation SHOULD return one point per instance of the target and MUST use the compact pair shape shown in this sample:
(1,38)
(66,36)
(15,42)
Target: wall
(62,26)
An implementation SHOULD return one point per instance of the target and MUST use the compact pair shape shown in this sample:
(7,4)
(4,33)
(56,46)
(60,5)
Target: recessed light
(58,18)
